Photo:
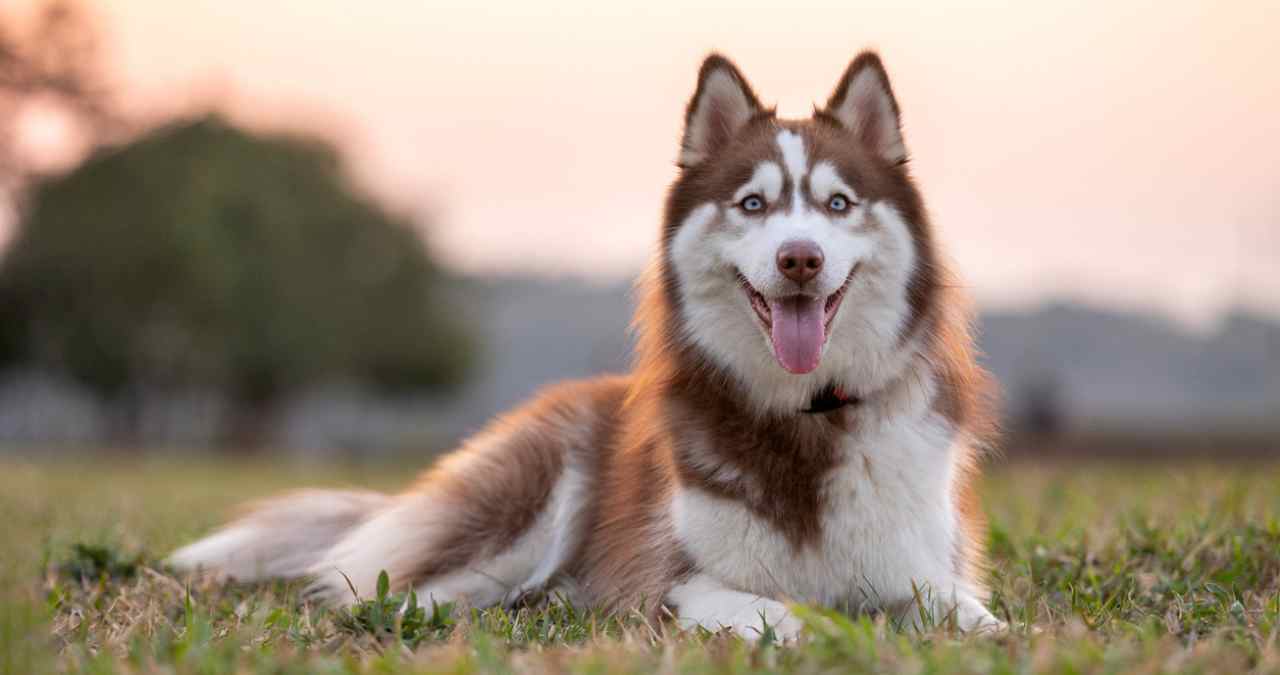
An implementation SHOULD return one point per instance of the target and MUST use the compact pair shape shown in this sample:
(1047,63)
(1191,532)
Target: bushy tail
(282,537)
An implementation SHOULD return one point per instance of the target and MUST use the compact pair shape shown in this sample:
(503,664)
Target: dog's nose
(799,260)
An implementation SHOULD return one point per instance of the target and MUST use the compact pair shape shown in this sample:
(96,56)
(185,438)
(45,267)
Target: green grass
(1101,568)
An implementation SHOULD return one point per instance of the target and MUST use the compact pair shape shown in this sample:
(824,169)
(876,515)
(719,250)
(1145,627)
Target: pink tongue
(798,332)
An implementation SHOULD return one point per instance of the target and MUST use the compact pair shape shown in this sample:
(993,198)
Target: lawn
(1119,567)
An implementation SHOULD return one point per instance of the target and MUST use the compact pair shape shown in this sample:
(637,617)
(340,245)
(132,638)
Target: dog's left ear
(721,106)
(863,103)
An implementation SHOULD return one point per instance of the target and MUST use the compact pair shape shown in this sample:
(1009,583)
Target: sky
(1118,153)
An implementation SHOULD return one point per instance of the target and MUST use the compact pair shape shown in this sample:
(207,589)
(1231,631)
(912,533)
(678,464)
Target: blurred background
(298,227)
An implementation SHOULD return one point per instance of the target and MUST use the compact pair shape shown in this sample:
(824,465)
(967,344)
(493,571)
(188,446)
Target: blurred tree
(54,63)
(202,255)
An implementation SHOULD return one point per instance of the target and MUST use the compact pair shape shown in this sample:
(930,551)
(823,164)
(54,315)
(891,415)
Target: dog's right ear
(721,106)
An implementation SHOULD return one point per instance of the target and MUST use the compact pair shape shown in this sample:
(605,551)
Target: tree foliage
(205,255)
(54,61)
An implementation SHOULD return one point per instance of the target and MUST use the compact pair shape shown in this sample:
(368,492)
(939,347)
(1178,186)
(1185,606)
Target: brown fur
(631,556)
(679,419)
(648,428)
(787,459)
(719,122)
(680,403)
(783,460)
(499,481)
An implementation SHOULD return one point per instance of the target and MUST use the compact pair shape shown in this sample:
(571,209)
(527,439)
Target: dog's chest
(886,521)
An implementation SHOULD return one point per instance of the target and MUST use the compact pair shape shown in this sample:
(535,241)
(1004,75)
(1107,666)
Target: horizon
(1105,155)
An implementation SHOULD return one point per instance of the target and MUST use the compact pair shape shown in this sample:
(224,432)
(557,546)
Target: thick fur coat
(801,424)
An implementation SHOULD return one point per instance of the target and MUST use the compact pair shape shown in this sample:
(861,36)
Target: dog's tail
(280,538)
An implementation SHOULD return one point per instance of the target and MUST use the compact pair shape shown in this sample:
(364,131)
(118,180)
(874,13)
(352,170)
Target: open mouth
(797,325)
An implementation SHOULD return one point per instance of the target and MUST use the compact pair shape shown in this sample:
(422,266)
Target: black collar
(830,398)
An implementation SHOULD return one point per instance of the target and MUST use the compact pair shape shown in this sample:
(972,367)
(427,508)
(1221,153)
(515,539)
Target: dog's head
(797,251)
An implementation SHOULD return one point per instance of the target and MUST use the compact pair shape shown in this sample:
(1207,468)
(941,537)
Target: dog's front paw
(704,602)
(785,626)
(974,618)
(751,621)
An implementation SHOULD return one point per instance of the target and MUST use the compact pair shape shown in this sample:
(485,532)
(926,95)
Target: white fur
(502,578)
(888,531)
(568,502)
(377,545)
(284,536)
(231,554)
(863,351)
(868,110)
(380,543)
(797,161)
(703,601)
(724,95)
(766,181)
(825,181)
(889,525)
(529,565)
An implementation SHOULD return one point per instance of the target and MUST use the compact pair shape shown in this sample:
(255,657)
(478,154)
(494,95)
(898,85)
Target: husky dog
(802,423)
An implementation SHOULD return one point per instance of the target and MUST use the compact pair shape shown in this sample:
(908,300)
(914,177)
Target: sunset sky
(1125,154)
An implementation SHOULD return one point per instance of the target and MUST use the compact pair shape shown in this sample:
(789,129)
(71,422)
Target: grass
(1101,568)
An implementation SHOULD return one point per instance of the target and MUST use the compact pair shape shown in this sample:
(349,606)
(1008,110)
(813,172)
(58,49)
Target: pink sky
(1121,153)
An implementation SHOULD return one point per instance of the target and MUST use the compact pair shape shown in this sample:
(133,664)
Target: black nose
(799,260)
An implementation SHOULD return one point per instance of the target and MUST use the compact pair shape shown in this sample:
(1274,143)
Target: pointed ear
(863,103)
(721,106)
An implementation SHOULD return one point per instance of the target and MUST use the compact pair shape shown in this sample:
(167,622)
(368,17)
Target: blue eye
(838,203)
(751,203)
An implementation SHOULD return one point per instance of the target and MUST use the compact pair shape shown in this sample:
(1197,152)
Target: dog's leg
(447,552)
(500,580)
(530,564)
(497,518)
(567,534)
(703,601)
